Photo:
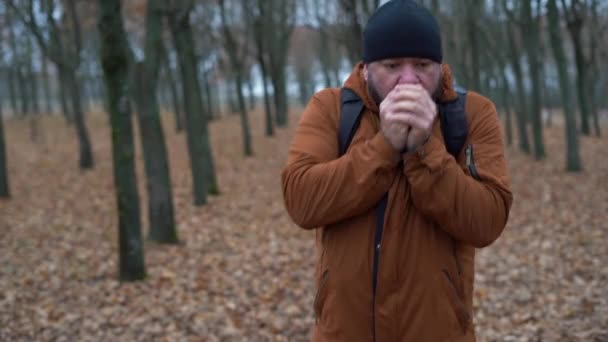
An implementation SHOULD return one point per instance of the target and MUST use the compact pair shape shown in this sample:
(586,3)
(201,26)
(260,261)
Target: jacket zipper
(470,160)
(378,232)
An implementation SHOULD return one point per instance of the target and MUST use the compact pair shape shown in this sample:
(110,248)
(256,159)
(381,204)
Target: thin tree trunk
(532,42)
(575,26)
(324,57)
(524,143)
(12,91)
(46,86)
(158,181)
(86,155)
(472,14)
(573,160)
(269,127)
(64,95)
(4,187)
(250,91)
(17,70)
(32,79)
(209,96)
(178,112)
(23,91)
(506,101)
(235,54)
(280,96)
(247,150)
(268,108)
(199,145)
(114,59)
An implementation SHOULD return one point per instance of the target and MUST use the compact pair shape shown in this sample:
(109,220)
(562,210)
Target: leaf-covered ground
(244,272)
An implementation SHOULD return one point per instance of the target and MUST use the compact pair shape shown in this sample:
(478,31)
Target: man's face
(382,76)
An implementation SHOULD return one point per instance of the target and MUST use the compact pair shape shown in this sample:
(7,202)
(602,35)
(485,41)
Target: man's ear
(365,72)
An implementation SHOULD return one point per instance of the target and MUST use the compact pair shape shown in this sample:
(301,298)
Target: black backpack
(454,128)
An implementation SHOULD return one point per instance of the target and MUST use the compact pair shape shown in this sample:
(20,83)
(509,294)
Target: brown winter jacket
(437,213)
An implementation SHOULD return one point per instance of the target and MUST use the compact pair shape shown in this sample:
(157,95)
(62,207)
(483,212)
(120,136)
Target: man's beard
(373,91)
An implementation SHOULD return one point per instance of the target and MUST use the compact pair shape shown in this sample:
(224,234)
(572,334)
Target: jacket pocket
(320,295)
(455,294)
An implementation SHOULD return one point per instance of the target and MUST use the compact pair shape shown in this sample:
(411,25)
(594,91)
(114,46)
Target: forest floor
(244,271)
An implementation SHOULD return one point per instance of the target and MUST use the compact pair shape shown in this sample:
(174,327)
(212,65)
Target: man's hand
(393,129)
(410,111)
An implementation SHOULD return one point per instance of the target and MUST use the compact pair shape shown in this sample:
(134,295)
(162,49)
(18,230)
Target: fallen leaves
(243,270)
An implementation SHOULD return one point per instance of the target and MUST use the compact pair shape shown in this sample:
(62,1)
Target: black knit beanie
(401,28)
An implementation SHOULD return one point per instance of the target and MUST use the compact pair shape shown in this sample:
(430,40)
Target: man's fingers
(408,119)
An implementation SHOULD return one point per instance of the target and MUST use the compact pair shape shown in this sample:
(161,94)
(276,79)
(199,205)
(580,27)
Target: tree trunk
(524,144)
(4,188)
(23,91)
(573,160)
(12,91)
(279,44)
(269,126)
(247,150)
(178,112)
(86,155)
(32,91)
(236,57)
(32,79)
(472,15)
(199,146)
(268,109)
(17,71)
(209,96)
(232,97)
(324,58)
(46,86)
(532,42)
(595,37)
(506,101)
(575,28)
(114,60)
(353,36)
(280,96)
(250,91)
(158,180)
(64,95)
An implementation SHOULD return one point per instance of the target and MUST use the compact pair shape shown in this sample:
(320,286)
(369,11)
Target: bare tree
(573,159)
(4,187)
(115,56)
(531,42)
(355,15)
(256,14)
(199,146)
(237,53)
(281,20)
(64,50)
(575,18)
(515,61)
(145,81)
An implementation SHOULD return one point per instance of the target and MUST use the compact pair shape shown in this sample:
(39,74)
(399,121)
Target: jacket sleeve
(318,187)
(472,210)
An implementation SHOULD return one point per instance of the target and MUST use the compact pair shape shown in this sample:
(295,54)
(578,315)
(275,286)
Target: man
(407,274)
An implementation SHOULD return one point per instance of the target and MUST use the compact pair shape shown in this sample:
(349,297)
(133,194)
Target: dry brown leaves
(244,271)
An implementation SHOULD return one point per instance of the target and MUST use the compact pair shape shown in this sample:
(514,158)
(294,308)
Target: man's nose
(408,75)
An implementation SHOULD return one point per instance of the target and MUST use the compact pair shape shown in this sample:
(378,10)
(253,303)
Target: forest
(142,143)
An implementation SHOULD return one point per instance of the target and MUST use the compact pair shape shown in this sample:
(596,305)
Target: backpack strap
(351,107)
(454,126)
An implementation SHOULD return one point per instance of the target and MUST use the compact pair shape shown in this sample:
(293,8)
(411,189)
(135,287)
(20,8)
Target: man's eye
(391,65)
(422,65)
